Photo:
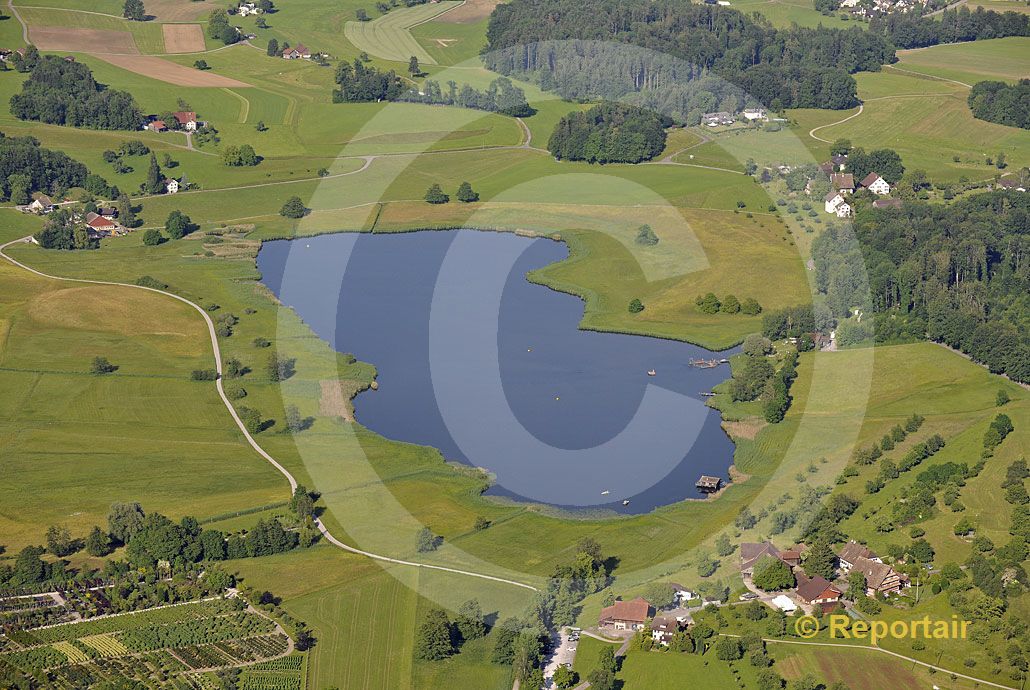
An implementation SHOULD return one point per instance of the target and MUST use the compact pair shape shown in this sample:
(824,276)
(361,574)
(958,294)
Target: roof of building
(842,181)
(830,196)
(750,552)
(98,222)
(158,124)
(784,603)
(870,179)
(817,587)
(875,573)
(852,551)
(107,211)
(839,158)
(635,610)
(45,200)
(887,203)
(665,624)
(184,116)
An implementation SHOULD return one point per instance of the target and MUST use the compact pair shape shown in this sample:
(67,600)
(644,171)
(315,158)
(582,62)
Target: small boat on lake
(625,501)
(652,372)
(605,492)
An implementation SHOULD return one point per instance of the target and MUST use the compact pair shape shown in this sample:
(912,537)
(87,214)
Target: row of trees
(360,83)
(60,92)
(909,30)
(501,96)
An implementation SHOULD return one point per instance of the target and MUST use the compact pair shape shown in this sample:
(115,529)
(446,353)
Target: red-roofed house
(297,51)
(157,126)
(817,590)
(625,615)
(187,120)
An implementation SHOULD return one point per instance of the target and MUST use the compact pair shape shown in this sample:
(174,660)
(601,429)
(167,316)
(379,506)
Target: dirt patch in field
(163,70)
(336,398)
(178,10)
(94,41)
(471,12)
(183,38)
(745,428)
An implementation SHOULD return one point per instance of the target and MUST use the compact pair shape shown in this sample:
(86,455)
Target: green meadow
(783,13)
(1005,59)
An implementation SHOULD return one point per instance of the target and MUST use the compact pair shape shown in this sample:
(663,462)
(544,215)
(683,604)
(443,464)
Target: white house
(41,204)
(784,603)
(171,186)
(752,114)
(832,201)
(843,210)
(248,8)
(876,184)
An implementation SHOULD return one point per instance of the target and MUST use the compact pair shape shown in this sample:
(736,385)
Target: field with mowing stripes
(1005,59)
(388,36)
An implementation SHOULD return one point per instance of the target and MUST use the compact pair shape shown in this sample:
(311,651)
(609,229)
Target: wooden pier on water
(708,484)
(707,363)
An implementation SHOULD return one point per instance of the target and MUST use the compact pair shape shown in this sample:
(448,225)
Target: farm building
(625,615)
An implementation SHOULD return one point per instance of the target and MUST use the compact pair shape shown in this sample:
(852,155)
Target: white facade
(880,186)
(833,202)
(843,210)
(171,186)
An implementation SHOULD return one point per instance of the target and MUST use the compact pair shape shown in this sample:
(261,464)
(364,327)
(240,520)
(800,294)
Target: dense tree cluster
(59,92)
(907,30)
(60,231)
(960,272)
(795,67)
(609,133)
(501,96)
(219,28)
(26,167)
(997,101)
(359,83)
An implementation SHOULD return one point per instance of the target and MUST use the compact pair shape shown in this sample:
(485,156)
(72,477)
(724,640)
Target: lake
(492,370)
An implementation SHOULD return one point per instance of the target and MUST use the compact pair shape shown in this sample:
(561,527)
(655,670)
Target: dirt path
(217,354)
(811,132)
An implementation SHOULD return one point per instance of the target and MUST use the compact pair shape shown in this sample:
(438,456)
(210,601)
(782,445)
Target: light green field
(1006,59)
(148,36)
(928,123)
(450,43)
(783,13)
(389,38)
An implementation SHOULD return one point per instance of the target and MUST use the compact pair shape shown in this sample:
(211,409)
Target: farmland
(74,442)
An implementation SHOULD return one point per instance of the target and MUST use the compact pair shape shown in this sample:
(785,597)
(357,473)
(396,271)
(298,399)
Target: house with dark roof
(880,578)
(851,552)
(843,182)
(751,553)
(663,628)
(625,615)
(41,204)
(876,184)
(817,590)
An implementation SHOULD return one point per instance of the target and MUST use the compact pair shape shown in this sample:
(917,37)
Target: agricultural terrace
(161,646)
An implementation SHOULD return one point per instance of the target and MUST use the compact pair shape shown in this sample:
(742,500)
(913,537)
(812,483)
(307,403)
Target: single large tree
(124,520)
(134,10)
(821,560)
(433,639)
(772,574)
(155,180)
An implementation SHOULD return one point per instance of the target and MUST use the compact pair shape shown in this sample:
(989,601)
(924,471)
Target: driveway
(564,653)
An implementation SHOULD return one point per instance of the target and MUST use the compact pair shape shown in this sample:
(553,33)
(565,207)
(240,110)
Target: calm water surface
(492,370)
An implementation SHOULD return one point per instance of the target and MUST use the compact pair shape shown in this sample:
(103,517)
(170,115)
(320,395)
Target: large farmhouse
(625,615)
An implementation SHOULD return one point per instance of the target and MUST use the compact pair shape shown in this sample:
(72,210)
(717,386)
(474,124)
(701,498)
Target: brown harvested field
(95,41)
(183,38)
(178,10)
(163,70)
(471,12)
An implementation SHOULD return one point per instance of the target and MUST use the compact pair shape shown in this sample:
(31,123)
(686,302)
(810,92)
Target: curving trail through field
(811,132)
(216,350)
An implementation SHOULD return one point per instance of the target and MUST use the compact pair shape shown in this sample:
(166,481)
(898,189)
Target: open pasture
(183,38)
(783,13)
(75,30)
(389,38)
(1005,59)
(83,40)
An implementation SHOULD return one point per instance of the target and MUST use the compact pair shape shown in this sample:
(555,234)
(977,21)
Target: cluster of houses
(723,118)
(186,120)
(880,578)
(842,186)
(636,614)
(867,9)
(100,223)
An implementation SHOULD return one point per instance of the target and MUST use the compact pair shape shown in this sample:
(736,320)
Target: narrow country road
(243,429)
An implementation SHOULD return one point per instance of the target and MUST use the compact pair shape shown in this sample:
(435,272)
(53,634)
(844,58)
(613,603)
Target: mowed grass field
(925,120)
(73,443)
(783,13)
(1004,59)
(364,619)
(389,38)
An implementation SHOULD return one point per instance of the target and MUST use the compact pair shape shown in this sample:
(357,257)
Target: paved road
(243,429)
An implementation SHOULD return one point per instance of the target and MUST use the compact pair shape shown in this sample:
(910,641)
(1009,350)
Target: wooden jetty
(708,484)
(704,363)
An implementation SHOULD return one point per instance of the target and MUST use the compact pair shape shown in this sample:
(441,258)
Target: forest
(609,133)
(954,26)
(27,167)
(1005,104)
(958,273)
(784,68)
(500,97)
(62,92)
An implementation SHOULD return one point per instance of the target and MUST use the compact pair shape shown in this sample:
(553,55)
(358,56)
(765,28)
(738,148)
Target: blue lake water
(492,370)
